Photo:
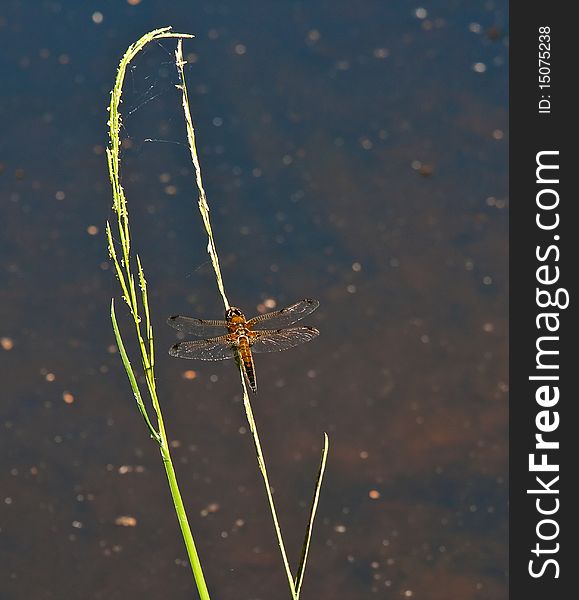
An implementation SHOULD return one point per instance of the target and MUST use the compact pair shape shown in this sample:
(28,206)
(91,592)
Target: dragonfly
(268,332)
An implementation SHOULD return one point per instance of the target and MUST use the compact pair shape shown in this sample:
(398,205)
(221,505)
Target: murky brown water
(352,152)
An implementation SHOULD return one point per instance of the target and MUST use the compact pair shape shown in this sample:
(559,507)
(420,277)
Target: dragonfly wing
(199,327)
(276,340)
(218,348)
(286,316)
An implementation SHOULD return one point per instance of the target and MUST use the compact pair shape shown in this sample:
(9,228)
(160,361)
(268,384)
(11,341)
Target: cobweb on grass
(150,98)
(158,173)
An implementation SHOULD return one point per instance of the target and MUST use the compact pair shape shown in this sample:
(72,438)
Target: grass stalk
(308,535)
(268,490)
(295,584)
(137,303)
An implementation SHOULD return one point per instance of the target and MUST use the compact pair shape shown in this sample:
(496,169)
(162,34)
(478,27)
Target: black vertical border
(530,133)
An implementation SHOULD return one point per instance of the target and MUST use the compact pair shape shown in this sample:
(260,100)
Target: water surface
(352,152)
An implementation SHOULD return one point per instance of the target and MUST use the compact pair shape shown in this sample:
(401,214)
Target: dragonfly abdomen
(247,362)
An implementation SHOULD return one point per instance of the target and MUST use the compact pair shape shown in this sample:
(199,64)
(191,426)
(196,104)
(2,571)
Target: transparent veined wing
(276,340)
(199,327)
(285,316)
(218,348)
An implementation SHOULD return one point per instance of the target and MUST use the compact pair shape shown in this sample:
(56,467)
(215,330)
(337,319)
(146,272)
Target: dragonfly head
(234,314)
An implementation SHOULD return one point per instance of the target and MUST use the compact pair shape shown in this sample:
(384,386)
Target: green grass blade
(131,375)
(148,326)
(119,271)
(184,524)
(126,277)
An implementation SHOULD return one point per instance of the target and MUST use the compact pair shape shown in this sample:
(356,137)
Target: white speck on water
(381,52)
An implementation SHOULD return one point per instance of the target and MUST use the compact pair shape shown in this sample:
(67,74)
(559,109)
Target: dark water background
(354,152)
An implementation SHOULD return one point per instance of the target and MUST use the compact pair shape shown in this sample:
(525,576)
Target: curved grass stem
(123,263)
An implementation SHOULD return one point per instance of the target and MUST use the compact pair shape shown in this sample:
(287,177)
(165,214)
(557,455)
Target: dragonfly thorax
(234,315)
